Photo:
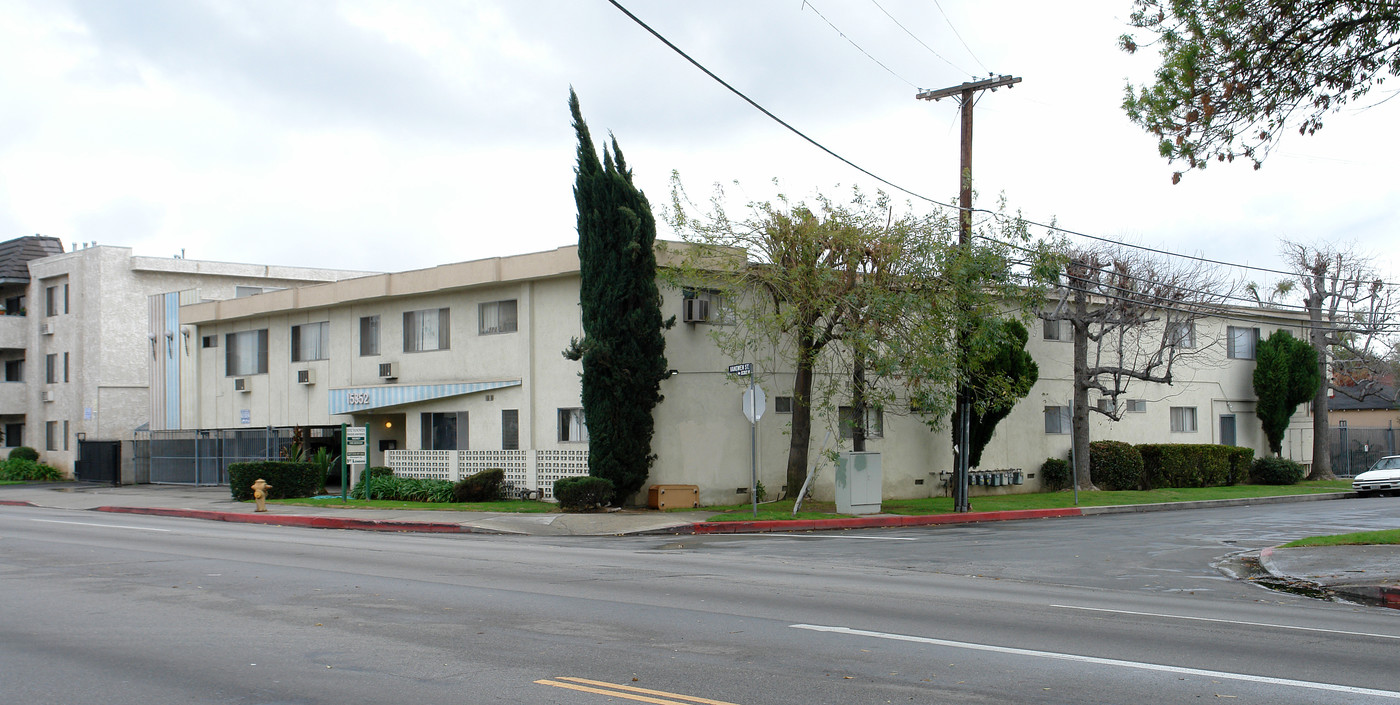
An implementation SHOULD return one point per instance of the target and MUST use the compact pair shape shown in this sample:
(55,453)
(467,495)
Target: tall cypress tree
(1001,379)
(623,350)
(1285,375)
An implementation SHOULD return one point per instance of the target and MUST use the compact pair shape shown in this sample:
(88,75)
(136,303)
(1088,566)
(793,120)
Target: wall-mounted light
(388,424)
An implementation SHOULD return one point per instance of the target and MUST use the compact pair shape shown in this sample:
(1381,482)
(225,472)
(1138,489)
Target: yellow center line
(583,684)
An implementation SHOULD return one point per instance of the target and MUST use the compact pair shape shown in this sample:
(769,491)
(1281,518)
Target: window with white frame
(369,336)
(1137,406)
(1183,419)
(426,330)
(444,430)
(572,426)
(1057,421)
(245,353)
(782,405)
(1106,405)
(209,341)
(1240,342)
(311,341)
(1052,329)
(711,306)
(874,422)
(1182,334)
(496,317)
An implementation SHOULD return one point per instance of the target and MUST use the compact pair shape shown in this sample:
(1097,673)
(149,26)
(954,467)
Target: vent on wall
(46,328)
(240,384)
(306,377)
(46,395)
(389,370)
(696,311)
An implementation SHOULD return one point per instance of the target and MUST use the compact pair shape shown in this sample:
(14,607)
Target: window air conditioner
(696,311)
(240,384)
(45,328)
(46,395)
(389,370)
(306,377)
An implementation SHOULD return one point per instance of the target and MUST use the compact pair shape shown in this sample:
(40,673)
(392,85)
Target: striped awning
(352,400)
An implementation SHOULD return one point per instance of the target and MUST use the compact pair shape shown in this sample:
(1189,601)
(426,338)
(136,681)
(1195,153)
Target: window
(51,368)
(65,368)
(51,434)
(782,405)
(14,306)
(572,427)
(496,317)
(510,429)
(1106,405)
(1240,342)
(1057,420)
(1182,334)
(14,435)
(51,301)
(426,330)
(311,341)
(874,422)
(445,430)
(369,336)
(245,353)
(711,307)
(209,341)
(14,370)
(65,304)
(1137,406)
(65,434)
(1051,330)
(1183,419)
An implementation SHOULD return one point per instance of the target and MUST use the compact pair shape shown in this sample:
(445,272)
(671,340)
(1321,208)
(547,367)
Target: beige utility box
(673,497)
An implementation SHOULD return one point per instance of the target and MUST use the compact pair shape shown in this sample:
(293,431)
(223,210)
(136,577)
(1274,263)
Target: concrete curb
(883,521)
(16,503)
(303,521)
(1209,503)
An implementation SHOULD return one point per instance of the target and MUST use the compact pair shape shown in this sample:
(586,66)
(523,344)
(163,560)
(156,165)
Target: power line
(807,3)
(998,216)
(921,42)
(955,34)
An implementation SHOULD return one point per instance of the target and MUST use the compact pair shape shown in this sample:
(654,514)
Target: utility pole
(965,95)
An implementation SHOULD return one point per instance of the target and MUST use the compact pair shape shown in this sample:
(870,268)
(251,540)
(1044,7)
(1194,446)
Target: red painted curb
(296,520)
(740,527)
(16,503)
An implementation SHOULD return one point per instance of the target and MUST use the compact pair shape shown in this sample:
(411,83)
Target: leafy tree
(1131,319)
(1285,375)
(1236,74)
(623,350)
(995,382)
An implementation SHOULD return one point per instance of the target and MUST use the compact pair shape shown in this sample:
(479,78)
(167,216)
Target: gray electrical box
(859,483)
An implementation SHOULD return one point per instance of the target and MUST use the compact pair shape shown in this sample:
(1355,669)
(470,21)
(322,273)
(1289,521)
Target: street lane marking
(105,526)
(823,536)
(1230,621)
(583,684)
(1353,690)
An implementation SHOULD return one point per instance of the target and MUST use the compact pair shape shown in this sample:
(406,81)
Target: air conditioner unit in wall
(696,311)
(240,384)
(45,328)
(389,370)
(306,376)
(46,396)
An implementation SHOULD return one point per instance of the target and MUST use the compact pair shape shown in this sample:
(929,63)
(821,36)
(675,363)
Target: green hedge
(288,479)
(1276,471)
(583,494)
(23,453)
(484,486)
(1115,465)
(25,470)
(1055,474)
(1193,464)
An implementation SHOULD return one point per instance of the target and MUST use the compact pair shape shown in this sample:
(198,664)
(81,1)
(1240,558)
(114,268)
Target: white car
(1384,476)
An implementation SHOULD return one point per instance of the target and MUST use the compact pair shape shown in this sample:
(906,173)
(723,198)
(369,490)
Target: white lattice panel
(516,463)
(557,464)
(423,464)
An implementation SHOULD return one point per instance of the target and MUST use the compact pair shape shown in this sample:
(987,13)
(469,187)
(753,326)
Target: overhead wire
(921,42)
(808,3)
(956,34)
(1000,217)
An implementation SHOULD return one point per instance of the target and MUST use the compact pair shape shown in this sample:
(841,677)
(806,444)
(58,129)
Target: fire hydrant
(260,494)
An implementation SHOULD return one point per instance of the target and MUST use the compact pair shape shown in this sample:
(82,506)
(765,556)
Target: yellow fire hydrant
(260,494)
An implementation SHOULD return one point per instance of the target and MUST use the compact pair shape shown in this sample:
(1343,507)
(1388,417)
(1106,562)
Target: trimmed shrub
(1188,464)
(583,494)
(24,453)
(1276,471)
(484,486)
(1055,474)
(25,470)
(1115,465)
(1240,461)
(288,479)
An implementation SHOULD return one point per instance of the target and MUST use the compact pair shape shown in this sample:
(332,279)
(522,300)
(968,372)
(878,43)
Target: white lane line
(105,526)
(824,536)
(1353,690)
(1230,621)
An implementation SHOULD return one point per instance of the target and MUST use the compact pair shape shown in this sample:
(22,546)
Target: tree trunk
(1322,439)
(801,418)
(858,405)
(1079,414)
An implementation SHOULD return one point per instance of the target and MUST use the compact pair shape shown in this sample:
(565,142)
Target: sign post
(344,484)
(357,450)
(753,406)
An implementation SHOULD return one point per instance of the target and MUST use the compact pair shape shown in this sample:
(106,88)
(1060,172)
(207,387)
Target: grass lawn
(1039,500)
(11,482)
(1388,536)
(519,506)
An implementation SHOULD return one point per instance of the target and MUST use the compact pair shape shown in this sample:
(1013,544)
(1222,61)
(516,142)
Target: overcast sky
(389,135)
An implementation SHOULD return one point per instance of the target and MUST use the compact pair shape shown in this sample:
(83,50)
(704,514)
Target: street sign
(742,369)
(755,403)
(356,445)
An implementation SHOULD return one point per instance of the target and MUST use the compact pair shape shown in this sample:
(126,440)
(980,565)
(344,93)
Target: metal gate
(1355,449)
(99,461)
(202,457)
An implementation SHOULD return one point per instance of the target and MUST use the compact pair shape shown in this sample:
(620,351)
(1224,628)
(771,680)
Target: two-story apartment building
(467,357)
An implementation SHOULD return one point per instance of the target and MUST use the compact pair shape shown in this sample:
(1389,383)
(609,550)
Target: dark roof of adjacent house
(15,255)
(1383,399)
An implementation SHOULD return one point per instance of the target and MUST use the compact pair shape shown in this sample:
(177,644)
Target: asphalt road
(1113,609)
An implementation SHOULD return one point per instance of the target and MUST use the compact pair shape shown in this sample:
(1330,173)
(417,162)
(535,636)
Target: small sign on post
(742,369)
(356,445)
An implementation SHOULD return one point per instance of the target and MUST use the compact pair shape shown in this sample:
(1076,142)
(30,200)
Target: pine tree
(623,350)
